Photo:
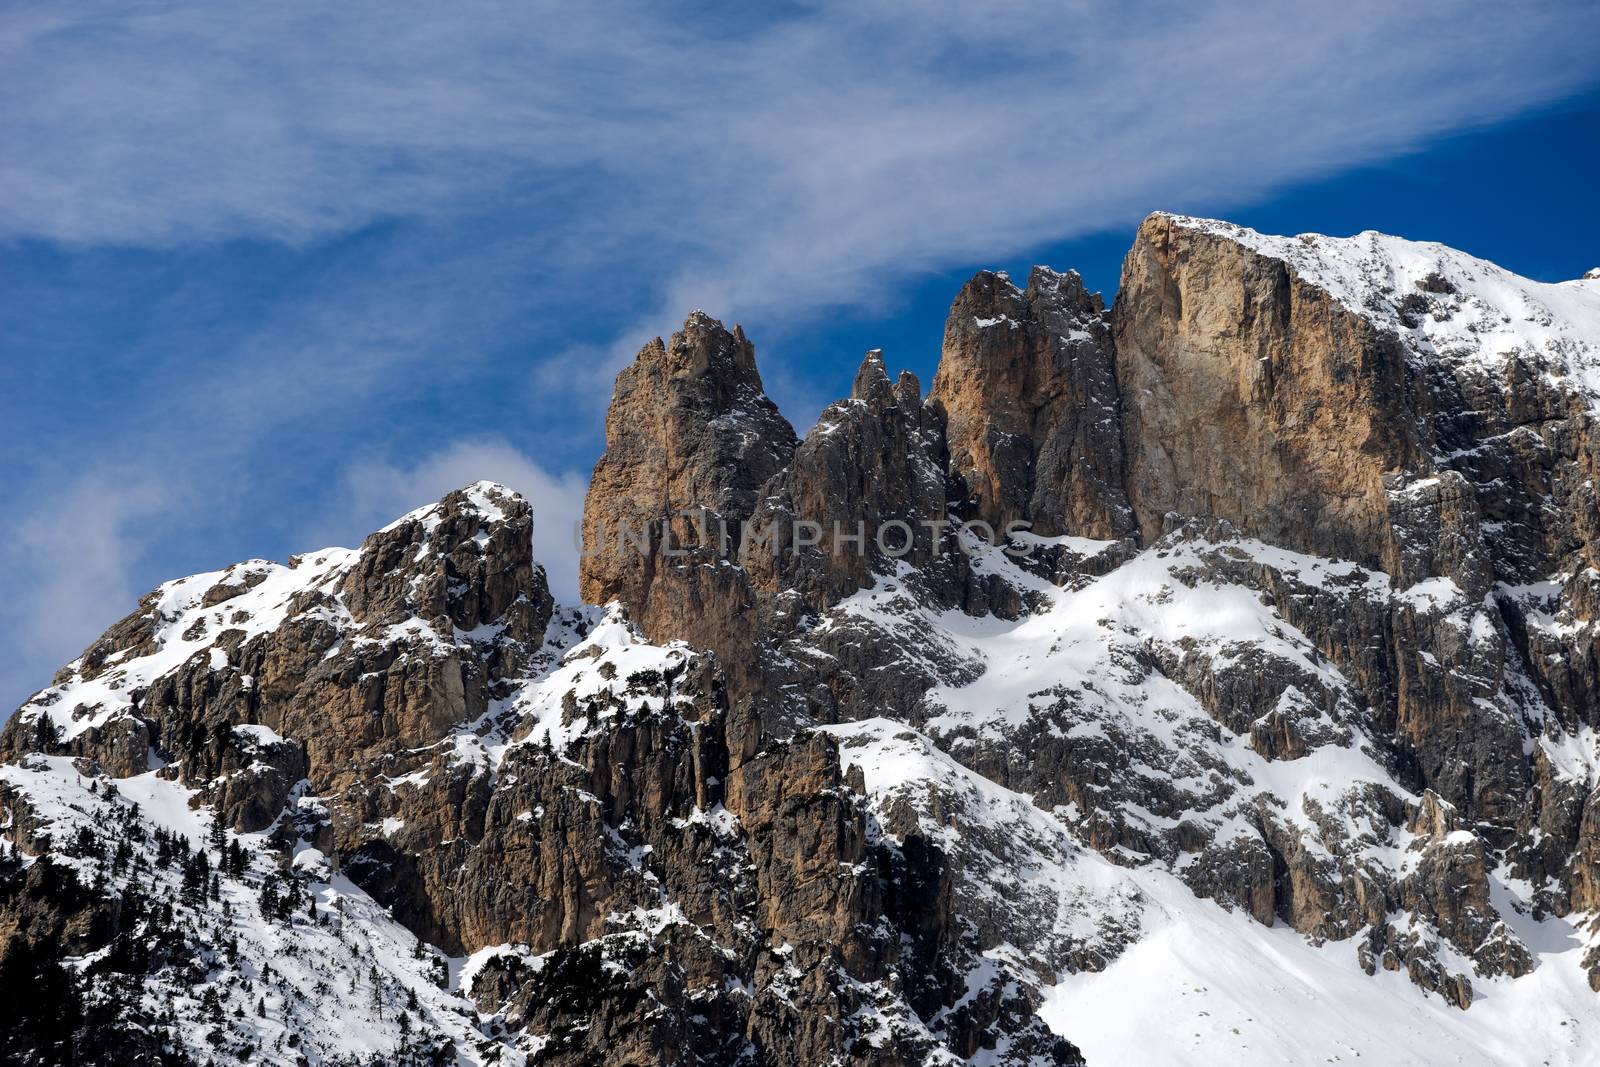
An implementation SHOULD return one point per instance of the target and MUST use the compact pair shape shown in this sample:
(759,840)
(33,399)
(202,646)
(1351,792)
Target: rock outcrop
(1027,381)
(691,438)
(1355,399)
(867,487)
(1255,396)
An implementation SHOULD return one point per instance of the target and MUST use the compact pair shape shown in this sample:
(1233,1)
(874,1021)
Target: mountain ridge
(1299,646)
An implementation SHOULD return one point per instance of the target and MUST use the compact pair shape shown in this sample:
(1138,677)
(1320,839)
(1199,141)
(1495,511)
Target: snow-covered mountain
(1261,730)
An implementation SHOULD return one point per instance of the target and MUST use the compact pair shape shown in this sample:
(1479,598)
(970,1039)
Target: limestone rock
(690,440)
(1027,382)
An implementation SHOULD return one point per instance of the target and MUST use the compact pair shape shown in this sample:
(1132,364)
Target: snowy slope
(329,977)
(1228,989)
(1126,935)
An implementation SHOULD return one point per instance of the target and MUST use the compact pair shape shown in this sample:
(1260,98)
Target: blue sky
(274,274)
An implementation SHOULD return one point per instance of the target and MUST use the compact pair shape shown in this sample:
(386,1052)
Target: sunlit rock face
(1027,382)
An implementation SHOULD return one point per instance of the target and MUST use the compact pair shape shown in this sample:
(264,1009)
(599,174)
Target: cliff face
(690,440)
(1028,383)
(1299,659)
(1397,404)
(1256,398)
(1401,405)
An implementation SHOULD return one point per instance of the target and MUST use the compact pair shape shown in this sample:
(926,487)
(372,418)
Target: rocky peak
(872,382)
(459,564)
(1027,384)
(691,438)
(705,351)
(692,412)
(1311,390)
(875,459)
(1253,397)
(357,654)
(908,390)
(1346,687)
(688,428)
(1068,286)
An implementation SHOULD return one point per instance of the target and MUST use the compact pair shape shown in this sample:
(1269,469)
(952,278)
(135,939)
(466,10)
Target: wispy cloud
(73,555)
(845,135)
(759,165)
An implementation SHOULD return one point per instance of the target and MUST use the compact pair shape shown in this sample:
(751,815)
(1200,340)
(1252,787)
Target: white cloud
(378,492)
(787,162)
(764,166)
(68,564)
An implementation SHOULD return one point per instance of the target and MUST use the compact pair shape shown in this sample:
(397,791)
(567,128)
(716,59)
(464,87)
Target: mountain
(1213,678)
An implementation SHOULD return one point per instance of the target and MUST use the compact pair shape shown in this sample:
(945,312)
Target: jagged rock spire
(689,430)
(872,381)
(1027,383)
(688,427)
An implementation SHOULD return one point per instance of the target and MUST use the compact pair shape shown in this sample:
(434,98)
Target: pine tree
(196,879)
(40,1004)
(236,859)
(46,734)
(219,836)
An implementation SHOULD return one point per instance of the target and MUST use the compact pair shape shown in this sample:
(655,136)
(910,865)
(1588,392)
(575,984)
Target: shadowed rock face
(872,460)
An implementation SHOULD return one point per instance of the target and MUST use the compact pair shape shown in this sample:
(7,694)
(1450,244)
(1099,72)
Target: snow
(178,609)
(320,992)
(165,803)
(1231,990)
(1489,316)
(486,497)
(1203,985)
(612,647)
(1072,644)
(1575,755)
(467,971)
(257,735)
(1182,980)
